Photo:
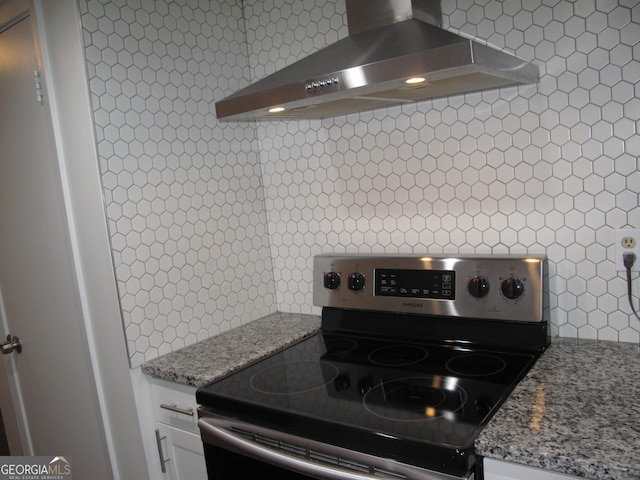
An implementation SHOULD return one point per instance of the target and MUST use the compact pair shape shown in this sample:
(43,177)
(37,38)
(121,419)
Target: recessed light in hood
(389,43)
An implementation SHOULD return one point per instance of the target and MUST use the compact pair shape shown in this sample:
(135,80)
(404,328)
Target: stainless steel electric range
(415,355)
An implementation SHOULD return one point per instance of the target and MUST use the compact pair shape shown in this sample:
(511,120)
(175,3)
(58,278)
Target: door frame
(58,39)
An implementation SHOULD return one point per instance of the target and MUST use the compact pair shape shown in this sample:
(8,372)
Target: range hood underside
(451,64)
(341,104)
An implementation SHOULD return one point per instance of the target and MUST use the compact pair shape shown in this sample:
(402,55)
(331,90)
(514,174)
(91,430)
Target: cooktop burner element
(294,377)
(398,355)
(415,399)
(334,346)
(412,360)
(476,365)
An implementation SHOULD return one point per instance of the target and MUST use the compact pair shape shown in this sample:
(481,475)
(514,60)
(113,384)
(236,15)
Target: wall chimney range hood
(390,42)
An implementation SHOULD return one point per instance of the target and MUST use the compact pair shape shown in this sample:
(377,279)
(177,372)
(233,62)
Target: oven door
(235,449)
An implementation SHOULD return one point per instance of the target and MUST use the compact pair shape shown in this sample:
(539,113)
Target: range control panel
(415,283)
(500,287)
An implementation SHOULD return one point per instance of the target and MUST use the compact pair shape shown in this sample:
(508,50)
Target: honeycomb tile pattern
(183,194)
(549,168)
(215,224)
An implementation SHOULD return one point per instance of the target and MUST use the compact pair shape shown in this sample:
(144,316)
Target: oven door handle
(215,431)
(223,438)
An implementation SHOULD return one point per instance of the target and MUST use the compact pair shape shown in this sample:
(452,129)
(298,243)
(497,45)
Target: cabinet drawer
(175,404)
(501,470)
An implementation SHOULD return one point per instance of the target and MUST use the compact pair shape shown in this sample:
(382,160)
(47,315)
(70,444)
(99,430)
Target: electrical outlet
(627,242)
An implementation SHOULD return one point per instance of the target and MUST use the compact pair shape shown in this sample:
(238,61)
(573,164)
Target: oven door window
(223,464)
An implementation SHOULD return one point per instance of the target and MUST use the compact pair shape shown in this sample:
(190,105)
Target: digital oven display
(437,284)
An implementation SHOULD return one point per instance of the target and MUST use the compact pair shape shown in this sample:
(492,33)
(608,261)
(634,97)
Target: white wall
(183,193)
(549,168)
(215,224)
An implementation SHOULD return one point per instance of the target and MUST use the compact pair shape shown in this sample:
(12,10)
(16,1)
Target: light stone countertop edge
(208,360)
(577,412)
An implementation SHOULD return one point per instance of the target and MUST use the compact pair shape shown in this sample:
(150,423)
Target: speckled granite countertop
(205,361)
(577,412)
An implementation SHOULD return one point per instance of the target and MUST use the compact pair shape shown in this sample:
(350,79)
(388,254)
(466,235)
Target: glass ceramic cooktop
(438,394)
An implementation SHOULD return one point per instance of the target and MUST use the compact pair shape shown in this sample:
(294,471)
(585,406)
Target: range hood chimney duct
(365,15)
(389,42)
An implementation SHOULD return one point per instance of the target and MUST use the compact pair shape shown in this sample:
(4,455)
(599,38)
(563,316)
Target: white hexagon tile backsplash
(215,224)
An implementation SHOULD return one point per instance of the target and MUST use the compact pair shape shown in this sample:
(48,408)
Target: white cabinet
(182,453)
(176,429)
(501,470)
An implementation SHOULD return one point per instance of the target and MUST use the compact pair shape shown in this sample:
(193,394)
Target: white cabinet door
(178,437)
(501,470)
(182,453)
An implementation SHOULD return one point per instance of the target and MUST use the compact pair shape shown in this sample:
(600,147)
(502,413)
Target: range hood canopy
(389,42)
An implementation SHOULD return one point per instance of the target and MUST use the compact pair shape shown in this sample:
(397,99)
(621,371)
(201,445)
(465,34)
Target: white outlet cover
(620,234)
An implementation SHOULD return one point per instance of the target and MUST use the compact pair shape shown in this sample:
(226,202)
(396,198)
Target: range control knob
(512,288)
(355,282)
(479,286)
(342,382)
(331,280)
(365,384)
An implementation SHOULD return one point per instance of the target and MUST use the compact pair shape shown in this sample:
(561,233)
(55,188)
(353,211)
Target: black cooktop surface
(346,390)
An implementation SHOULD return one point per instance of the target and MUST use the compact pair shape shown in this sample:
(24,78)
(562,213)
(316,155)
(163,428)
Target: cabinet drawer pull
(174,408)
(163,461)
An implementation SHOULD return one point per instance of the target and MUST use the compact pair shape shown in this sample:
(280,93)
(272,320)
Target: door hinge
(38,84)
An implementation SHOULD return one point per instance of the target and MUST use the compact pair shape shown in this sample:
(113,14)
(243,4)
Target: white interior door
(53,388)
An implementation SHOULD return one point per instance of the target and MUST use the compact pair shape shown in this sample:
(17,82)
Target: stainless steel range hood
(389,42)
